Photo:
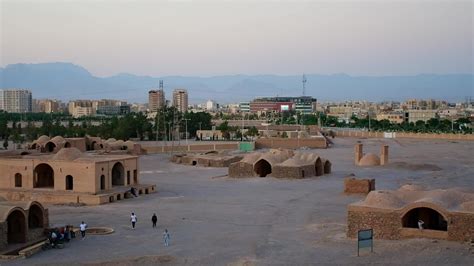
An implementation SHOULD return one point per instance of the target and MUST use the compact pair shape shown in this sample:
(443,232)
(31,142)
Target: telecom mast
(304,84)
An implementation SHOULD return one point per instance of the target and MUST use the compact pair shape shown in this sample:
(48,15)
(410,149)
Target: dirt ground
(216,220)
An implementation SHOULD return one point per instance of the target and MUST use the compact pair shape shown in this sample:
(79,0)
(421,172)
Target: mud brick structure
(280,164)
(46,145)
(70,176)
(21,222)
(209,159)
(446,213)
(370,159)
(358,185)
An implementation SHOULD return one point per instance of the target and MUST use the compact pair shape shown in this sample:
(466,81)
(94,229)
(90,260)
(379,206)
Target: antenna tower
(161,84)
(304,84)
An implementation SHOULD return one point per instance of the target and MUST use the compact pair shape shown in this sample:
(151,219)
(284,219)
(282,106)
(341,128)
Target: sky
(208,38)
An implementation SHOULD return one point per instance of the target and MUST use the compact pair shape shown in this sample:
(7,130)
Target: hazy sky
(207,38)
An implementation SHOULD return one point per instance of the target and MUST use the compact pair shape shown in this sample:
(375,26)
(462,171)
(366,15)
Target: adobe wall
(275,143)
(280,171)
(365,134)
(354,185)
(206,146)
(240,169)
(385,223)
(79,143)
(461,227)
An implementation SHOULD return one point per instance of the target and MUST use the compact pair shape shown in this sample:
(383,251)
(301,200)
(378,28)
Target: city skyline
(209,39)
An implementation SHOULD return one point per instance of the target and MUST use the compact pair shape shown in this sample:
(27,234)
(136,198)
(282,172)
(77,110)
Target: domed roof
(383,199)
(67,154)
(110,140)
(58,139)
(129,144)
(42,139)
(369,159)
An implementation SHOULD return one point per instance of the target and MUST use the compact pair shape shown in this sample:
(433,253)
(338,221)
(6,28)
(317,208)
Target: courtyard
(217,220)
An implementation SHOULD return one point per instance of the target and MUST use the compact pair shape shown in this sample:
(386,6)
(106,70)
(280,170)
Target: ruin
(280,163)
(446,213)
(208,159)
(21,222)
(355,185)
(69,176)
(46,145)
(370,159)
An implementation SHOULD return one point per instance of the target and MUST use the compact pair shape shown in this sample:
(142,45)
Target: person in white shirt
(83,227)
(133,219)
(420,224)
(166,237)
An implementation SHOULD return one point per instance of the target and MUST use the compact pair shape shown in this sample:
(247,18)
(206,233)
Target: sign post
(365,239)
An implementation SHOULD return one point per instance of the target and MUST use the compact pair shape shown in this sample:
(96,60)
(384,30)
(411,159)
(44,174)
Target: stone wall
(461,227)
(386,224)
(241,169)
(201,147)
(354,185)
(281,171)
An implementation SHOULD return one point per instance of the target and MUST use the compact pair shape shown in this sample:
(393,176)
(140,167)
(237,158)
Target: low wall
(275,143)
(402,135)
(358,185)
(192,147)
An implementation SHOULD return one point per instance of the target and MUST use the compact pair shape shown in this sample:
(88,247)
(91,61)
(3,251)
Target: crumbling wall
(357,185)
(241,169)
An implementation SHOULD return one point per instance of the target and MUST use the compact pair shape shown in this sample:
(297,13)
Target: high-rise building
(16,100)
(80,108)
(180,100)
(46,106)
(156,100)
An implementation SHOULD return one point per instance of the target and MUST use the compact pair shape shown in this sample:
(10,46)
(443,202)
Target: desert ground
(217,220)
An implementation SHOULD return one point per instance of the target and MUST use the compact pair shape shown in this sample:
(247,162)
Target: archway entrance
(327,167)
(432,219)
(92,147)
(35,217)
(102,182)
(263,168)
(118,177)
(50,146)
(43,176)
(16,227)
(67,145)
(318,166)
(69,182)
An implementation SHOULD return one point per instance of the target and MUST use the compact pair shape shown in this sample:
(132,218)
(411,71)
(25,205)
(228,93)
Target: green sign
(365,239)
(246,146)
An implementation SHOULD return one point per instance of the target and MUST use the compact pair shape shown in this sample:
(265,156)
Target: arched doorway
(67,145)
(118,177)
(16,227)
(262,168)
(69,182)
(92,147)
(35,217)
(318,166)
(34,146)
(50,146)
(18,180)
(327,167)
(102,182)
(432,219)
(43,176)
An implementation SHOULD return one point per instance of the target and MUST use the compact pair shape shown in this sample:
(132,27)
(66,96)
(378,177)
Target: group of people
(154,220)
(60,235)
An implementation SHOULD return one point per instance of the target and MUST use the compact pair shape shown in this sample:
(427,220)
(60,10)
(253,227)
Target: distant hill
(68,81)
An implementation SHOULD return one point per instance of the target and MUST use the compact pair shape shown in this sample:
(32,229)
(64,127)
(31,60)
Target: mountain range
(66,81)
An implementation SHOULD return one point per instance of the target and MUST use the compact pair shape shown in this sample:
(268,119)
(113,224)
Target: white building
(211,105)
(16,100)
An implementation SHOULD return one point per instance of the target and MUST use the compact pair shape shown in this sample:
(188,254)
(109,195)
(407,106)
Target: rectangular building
(16,101)
(180,100)
(303,104)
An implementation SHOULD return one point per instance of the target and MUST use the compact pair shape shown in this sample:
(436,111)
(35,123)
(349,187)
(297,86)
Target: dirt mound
(143,260)
(416,167)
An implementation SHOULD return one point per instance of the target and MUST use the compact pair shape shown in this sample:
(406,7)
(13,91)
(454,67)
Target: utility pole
(186,120)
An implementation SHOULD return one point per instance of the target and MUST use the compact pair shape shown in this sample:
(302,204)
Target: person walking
(166,237)
(154,219)
(420,224)
(133,219)
(82,228)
